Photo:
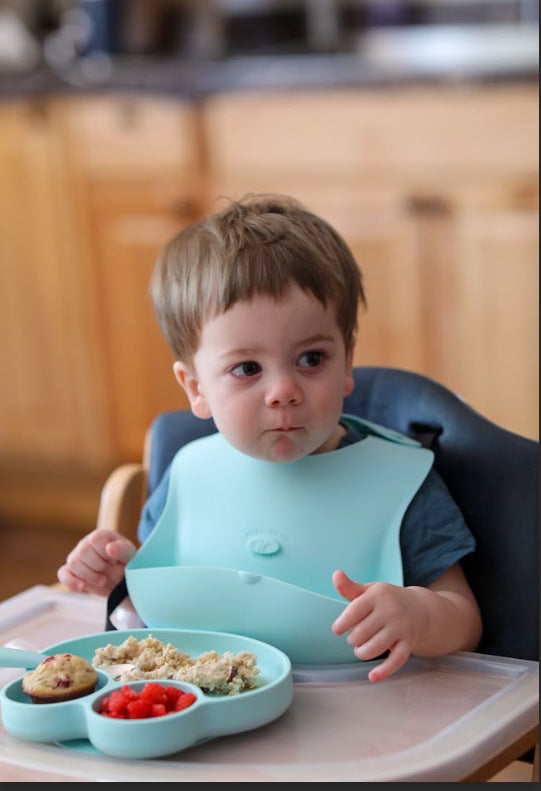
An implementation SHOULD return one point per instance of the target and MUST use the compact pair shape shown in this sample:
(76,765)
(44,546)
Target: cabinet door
(135,173)
(480,286)
(383,240)
(130,227)
(41,404)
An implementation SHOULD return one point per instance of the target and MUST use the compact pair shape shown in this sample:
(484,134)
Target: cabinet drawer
(350,134)
(130,137)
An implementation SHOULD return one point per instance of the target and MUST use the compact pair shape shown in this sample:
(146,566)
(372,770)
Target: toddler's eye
(249,368)
(310,359)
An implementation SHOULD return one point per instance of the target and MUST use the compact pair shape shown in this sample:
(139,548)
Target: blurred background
(411,126)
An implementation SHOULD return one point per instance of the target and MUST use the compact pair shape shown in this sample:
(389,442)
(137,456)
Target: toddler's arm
(432,621)
(96,564)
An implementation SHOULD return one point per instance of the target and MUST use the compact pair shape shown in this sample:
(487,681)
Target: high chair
(492,474)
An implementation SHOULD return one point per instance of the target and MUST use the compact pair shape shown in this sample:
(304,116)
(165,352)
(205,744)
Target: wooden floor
(31,555)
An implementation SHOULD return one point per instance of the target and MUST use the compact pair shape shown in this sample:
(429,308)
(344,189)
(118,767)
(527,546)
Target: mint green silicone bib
(249,547)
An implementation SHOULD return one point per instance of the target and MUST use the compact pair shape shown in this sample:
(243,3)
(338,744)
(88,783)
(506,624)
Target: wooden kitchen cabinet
(41,400)
(134,169)
(90,190)
(436,192)
(130,226)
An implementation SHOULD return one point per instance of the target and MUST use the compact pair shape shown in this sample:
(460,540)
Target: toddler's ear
(349,381)
(190,384)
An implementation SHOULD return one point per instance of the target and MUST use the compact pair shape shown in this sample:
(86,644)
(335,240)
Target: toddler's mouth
(285,429)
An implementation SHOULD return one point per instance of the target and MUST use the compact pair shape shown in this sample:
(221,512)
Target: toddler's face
(273,375)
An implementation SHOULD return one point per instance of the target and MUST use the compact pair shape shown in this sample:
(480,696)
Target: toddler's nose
(283,390)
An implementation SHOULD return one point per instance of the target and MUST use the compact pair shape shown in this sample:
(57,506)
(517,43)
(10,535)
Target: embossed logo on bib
(263,545)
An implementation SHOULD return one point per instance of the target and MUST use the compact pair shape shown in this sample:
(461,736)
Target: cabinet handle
(183,208)
(526,196)
(128,116)
(433,205)
(38,112)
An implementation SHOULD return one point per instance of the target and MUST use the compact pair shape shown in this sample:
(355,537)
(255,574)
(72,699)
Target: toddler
(259,303)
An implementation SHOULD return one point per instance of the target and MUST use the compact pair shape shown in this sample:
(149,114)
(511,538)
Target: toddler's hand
(380,617)
(97,562)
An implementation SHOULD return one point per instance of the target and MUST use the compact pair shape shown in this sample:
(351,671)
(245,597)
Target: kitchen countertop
(386,58)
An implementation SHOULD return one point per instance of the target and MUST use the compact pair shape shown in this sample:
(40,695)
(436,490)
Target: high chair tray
(439,720)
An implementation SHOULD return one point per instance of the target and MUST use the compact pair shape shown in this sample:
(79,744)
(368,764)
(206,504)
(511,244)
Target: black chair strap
(117,595)
(426,435)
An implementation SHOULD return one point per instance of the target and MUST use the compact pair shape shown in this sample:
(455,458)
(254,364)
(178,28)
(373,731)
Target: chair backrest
(492,474)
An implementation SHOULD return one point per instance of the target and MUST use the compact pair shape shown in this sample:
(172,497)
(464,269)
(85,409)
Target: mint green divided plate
(210,716)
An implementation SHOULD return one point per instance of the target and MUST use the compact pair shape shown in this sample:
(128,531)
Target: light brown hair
(258,245)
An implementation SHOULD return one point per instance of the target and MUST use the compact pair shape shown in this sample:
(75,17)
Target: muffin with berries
(60,677)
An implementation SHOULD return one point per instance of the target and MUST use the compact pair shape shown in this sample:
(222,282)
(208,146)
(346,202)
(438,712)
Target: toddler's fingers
(398,656)
(100,584)
(353,615)
(347,587)
(65,577)
(99,539)
(93,570)
(120,550)
(85,560)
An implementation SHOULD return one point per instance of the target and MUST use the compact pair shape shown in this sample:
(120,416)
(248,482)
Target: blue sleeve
(434,535)
(152,510)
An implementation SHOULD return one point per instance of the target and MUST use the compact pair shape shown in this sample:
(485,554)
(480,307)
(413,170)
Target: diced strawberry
(105,704)
(129,692)
(139,709)
(154,692)
(185,700)
(116,701)
(154,700)
(172,697)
